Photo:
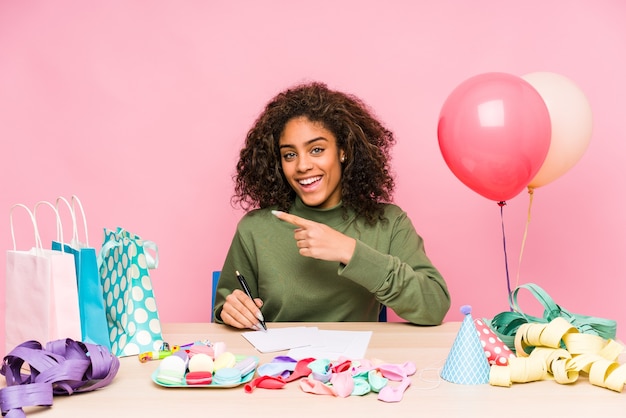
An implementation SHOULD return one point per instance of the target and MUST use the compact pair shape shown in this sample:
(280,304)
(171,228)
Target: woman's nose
(304,164)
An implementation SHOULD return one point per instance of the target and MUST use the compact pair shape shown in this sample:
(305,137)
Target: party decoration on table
(557,350)
(494,134)
(34,374)
(495,350)
(203,347)
(506,324)
(466,363)
(340,378)
(125,261)
(571,121)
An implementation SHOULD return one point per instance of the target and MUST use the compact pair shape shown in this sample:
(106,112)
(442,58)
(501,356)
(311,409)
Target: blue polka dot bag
(125,261)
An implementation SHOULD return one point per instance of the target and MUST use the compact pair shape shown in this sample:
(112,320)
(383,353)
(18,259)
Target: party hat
(466,364)
(495,350)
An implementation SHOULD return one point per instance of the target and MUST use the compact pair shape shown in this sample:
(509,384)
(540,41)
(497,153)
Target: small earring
(343,158)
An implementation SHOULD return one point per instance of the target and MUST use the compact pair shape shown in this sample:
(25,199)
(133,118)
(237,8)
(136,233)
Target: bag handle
(38,244)
(58,217)
(75,201)
(75,241)
(74,234)
(152,260)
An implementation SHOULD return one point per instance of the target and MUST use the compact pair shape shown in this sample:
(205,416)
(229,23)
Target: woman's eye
(317,150)
(289,155)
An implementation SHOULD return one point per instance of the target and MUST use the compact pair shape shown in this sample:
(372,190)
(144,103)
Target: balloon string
(506,262)
(531,193)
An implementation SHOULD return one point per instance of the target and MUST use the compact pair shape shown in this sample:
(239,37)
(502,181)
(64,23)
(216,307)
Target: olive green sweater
(389,266)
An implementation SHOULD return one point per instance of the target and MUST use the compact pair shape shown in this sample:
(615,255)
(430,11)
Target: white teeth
(306,182)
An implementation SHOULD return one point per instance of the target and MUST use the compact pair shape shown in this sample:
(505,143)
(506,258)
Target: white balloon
(572,122)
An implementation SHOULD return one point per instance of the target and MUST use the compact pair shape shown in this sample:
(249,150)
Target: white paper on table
(332,345)
(279,339)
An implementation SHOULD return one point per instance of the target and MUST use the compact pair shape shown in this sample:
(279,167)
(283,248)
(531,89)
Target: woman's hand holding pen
(240,311)
(318,240)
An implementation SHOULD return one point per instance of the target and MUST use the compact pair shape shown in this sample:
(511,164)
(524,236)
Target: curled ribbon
(34,373)
(560,351)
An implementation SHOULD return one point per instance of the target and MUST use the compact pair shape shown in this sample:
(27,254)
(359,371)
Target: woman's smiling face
(311,162)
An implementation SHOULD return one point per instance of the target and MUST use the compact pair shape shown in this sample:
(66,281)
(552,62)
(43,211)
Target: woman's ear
(342,156)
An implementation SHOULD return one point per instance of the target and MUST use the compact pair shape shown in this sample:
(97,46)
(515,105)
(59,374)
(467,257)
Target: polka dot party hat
(466,364)
(495,350)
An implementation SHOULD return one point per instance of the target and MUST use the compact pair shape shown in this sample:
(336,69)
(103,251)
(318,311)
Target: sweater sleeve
(404,279)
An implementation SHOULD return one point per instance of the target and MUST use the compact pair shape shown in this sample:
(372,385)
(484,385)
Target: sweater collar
(332,217)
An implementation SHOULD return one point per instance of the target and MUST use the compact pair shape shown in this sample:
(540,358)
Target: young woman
(321,240)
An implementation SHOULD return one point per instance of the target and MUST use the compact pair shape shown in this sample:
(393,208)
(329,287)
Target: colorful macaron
(246,365)
(227,376)
(199,378)
(224,360)
(172,370)
(201,363)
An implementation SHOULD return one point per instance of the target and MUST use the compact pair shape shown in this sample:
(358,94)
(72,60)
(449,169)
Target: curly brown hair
(366,181)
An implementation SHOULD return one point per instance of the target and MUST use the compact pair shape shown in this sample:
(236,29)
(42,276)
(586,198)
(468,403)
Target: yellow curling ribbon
(557,350)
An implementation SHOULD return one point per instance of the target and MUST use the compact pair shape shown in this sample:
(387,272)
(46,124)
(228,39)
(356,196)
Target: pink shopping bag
(41,291)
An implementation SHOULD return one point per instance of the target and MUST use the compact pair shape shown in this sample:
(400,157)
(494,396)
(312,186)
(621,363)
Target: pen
(246,289)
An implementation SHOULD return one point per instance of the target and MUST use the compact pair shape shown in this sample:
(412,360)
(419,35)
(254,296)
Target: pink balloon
(494,134)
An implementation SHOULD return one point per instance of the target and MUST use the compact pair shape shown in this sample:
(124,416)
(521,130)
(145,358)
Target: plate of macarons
(204,371)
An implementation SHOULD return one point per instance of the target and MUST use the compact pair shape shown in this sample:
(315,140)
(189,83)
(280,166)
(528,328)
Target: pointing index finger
(292,219)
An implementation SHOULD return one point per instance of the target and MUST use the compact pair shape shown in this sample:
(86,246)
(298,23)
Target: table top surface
(134,394)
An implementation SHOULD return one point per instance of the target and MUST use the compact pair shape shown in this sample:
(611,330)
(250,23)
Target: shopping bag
(41,297)
(93,321)
(125,261)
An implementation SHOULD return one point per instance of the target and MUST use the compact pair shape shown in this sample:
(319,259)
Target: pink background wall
(140,107)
